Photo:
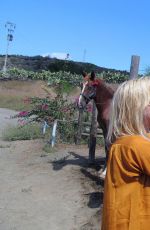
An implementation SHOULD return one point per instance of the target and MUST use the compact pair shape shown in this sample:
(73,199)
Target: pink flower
(23,114)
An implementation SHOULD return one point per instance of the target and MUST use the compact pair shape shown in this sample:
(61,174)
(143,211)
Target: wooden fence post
(93,134)
(53,138)
(134,68)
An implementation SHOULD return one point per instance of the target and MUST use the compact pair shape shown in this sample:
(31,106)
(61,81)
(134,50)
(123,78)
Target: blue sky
(102,32)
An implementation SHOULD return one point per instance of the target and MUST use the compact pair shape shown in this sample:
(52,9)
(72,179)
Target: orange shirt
(127,185)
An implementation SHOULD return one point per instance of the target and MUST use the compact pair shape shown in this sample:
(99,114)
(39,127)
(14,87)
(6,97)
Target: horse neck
(104,95)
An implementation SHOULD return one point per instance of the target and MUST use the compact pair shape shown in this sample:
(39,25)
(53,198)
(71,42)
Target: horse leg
(102,172)
(106,149)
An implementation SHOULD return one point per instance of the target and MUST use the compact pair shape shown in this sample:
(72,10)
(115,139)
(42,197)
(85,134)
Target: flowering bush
(49,109)
(46,109)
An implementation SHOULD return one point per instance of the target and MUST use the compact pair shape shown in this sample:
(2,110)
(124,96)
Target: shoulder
(134,142)
(132,153)
(132,139)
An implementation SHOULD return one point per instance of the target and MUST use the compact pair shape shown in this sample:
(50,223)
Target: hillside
(38,63)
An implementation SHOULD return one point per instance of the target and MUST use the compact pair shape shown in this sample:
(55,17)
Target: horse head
(88,93)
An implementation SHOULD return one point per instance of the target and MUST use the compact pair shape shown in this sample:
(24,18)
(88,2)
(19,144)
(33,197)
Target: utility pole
(10,29)
(134,68)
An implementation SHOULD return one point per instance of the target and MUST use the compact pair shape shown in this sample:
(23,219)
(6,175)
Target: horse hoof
(100,171)
(102,174)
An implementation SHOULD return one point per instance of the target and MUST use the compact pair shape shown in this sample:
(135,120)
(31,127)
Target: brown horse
(102,95)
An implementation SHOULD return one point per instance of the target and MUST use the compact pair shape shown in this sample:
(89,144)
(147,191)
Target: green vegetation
(48,149)
(27,132)
(147,71)
(114,77)
(62,77)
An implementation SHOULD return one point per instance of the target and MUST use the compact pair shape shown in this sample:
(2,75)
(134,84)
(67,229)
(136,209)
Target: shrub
(48,110)
(62,77)
(27,132)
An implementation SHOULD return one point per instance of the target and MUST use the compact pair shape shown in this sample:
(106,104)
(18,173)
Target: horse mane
(101,83)
(97,82)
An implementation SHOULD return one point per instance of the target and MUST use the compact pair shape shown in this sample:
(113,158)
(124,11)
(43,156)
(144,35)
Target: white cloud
(62,56)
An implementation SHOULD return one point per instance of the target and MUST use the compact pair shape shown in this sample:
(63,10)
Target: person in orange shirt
(126,203)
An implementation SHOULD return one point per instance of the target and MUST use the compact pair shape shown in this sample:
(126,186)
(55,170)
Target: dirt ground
(54,191)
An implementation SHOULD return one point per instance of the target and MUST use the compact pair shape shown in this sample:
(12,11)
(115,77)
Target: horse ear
(83,73)
(92,77)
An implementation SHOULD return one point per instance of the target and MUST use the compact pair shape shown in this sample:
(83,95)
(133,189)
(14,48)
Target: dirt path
(46,192)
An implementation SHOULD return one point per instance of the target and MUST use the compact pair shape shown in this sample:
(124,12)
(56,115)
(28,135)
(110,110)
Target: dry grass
(13,93)
(13,102)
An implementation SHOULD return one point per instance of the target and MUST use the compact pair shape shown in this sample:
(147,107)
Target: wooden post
(134,68)
(93,134)
(80,125)
(53,138)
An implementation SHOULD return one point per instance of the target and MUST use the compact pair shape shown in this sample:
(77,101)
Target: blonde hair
(127,109)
